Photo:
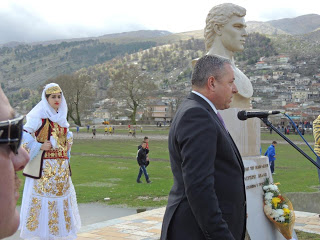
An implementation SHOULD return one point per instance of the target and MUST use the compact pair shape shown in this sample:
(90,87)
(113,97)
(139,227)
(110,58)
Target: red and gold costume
(49,208)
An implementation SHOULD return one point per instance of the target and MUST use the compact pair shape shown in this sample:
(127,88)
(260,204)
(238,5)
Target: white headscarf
(44,110)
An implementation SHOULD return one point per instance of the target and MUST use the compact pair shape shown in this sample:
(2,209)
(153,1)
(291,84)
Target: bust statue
(225,34)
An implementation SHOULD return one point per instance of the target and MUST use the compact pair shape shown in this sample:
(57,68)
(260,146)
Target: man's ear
(211,83)
(218,29)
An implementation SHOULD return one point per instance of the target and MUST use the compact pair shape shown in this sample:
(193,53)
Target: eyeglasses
(11,133)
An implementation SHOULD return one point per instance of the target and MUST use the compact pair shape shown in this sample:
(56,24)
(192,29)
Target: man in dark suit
(207,200)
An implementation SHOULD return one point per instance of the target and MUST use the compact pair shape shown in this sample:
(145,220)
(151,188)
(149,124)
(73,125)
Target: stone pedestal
(246,134)
(258,225)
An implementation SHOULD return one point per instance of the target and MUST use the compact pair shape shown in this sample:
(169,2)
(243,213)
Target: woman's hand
(69,146)
(46,146)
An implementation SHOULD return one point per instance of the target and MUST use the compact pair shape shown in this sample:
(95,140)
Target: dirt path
(101,136)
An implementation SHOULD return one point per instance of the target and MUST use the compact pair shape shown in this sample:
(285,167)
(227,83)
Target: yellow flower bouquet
(278,209)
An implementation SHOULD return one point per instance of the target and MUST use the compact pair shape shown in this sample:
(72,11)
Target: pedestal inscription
(258,226)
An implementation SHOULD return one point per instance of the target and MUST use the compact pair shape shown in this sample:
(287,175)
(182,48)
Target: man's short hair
(274,142)
(220,15)
(145,138)
(207,66)
(143,142)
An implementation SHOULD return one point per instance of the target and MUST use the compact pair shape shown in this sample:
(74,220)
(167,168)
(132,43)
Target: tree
(133,86)
(24,93)
(78,92)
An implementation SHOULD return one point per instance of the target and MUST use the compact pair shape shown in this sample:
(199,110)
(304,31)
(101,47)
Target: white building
(300,96)
(302,81)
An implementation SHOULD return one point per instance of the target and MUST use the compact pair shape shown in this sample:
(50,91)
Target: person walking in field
(134,132)
(143,162)
(271,153)
(94,131)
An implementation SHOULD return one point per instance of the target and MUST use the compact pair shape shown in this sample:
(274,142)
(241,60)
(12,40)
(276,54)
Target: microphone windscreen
(242,115)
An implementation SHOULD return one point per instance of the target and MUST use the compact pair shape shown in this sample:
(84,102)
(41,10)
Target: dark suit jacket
(207,200)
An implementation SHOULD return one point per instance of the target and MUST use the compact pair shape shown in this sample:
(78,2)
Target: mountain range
(30,65)
(287,26)
(291,26)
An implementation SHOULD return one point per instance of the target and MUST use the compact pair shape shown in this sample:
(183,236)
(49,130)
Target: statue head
(219,16)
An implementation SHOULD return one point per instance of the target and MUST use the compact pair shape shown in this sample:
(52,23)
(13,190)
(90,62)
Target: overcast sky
(42,20)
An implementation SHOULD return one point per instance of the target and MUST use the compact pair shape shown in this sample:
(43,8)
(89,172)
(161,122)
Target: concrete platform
(147,226)
(142,226)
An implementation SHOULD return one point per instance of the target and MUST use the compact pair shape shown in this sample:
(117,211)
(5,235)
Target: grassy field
(123,130)
(306,236)
(294,172)
(292,137)
(108,168)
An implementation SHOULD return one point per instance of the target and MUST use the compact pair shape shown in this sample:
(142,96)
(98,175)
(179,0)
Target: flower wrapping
(278,209)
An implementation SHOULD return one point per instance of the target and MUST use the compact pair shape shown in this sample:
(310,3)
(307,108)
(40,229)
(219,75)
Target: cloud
(278,13)
(38,20)
(20,24)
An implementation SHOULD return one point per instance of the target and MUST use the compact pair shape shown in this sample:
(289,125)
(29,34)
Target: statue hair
(220,15)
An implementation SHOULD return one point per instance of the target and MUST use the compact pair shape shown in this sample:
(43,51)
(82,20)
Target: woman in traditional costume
(49,209)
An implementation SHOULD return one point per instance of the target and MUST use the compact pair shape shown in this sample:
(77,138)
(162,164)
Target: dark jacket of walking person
(207,199)
(94,131)
(146,150)
(142,156)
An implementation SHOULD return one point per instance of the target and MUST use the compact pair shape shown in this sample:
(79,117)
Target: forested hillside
(27,65)
(257,45)
(169,66)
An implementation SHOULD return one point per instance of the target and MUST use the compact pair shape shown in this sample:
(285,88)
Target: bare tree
(133,86)
(78,92)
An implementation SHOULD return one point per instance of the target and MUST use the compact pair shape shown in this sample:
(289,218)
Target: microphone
(244,115)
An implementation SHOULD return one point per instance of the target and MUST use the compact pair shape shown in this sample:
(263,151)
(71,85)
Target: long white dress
(49,209)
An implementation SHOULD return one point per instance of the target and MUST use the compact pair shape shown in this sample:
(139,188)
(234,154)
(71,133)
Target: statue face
(233,34)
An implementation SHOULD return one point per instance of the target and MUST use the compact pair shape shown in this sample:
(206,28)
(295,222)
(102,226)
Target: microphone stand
(269,124)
